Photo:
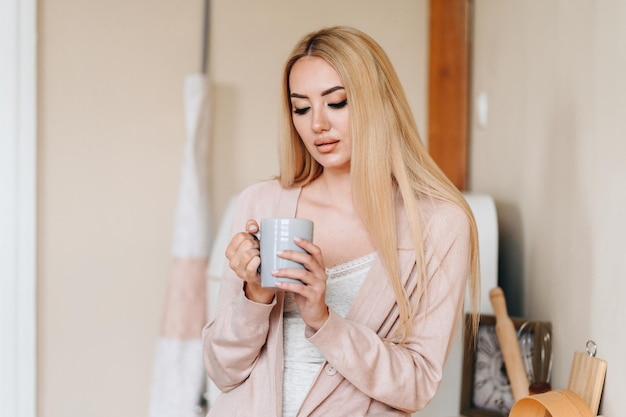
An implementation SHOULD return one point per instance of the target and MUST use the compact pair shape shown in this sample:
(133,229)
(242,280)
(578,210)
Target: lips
(326,145)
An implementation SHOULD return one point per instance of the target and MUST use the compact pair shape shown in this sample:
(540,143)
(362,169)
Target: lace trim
(350,266)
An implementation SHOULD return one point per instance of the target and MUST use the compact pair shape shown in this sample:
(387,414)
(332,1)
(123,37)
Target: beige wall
(553,155)
(110,146)
(251,39)
(110,90)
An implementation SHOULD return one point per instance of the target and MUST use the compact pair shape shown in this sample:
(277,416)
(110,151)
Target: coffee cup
(277,234)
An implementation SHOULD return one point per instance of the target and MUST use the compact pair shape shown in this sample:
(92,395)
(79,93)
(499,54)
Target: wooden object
(509,345)
(448,88)
(586,378)
(559,403)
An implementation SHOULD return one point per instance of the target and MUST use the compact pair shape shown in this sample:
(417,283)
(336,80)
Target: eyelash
(339,105)
(304,110)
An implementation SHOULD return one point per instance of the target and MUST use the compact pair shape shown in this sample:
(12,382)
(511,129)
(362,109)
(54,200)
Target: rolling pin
(509,345)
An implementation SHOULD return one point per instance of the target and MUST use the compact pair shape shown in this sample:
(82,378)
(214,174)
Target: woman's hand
(310,297)
(244,258)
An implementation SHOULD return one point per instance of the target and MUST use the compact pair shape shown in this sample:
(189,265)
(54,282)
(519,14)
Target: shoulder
(258,198)
(267,199)
(442,210)
(441,222)
(263,188)
(444,219)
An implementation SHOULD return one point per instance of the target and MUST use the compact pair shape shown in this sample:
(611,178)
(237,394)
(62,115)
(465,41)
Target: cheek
(344,126)
(300,125)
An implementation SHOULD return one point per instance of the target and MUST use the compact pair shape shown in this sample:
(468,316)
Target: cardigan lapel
(372,305)
(375,299)
(288,202)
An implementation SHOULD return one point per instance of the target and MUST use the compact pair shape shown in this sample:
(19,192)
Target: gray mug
(278,234)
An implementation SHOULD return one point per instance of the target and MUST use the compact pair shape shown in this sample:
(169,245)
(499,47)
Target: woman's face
(320,112)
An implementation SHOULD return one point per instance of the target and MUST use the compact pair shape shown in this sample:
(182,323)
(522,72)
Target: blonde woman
(394,249)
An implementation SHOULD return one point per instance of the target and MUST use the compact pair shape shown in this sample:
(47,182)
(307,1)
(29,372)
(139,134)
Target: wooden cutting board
(586,376)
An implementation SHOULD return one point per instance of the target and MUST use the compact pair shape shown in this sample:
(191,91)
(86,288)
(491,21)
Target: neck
(337,186)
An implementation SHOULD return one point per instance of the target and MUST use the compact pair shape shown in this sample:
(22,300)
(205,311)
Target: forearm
(403,375)
(234,339)
(398,375)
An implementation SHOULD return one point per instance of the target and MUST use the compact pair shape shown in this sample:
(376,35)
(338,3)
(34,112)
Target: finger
(246,256)
(307,260)
(243,250)
(292,287)
(252,268)
(310,248)
(302,275)
(252,226)
(311,303)
(235,243)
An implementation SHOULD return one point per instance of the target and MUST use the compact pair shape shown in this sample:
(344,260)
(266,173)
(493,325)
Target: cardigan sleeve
(234,338)
(405,376)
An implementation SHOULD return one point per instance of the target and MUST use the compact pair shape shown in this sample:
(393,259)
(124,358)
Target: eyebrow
(324,93)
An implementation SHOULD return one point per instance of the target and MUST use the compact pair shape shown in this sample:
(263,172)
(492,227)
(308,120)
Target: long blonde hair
(388,156)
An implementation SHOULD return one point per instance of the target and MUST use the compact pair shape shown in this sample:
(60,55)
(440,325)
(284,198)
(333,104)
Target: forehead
(311,72)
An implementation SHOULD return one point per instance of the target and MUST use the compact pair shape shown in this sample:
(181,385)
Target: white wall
(18,194)
(553,155)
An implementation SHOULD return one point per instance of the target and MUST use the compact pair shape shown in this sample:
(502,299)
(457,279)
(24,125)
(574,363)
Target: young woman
(394,248)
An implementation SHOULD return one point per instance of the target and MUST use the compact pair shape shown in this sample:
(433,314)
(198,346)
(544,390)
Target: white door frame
(18,192)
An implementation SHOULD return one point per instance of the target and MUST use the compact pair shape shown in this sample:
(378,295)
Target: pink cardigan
(363,375)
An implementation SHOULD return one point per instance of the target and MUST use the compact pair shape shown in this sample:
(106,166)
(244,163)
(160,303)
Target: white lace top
(303,360)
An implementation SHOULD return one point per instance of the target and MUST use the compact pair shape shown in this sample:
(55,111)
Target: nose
(320,122)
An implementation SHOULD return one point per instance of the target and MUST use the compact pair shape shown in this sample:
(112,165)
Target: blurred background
(551,152)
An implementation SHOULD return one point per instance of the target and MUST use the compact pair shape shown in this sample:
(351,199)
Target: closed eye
(302,110)
(339,105)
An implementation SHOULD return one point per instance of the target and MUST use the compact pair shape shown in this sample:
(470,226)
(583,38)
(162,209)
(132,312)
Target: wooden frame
(468,407)
(448,88)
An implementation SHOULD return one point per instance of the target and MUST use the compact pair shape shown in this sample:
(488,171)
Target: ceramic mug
(277,234)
